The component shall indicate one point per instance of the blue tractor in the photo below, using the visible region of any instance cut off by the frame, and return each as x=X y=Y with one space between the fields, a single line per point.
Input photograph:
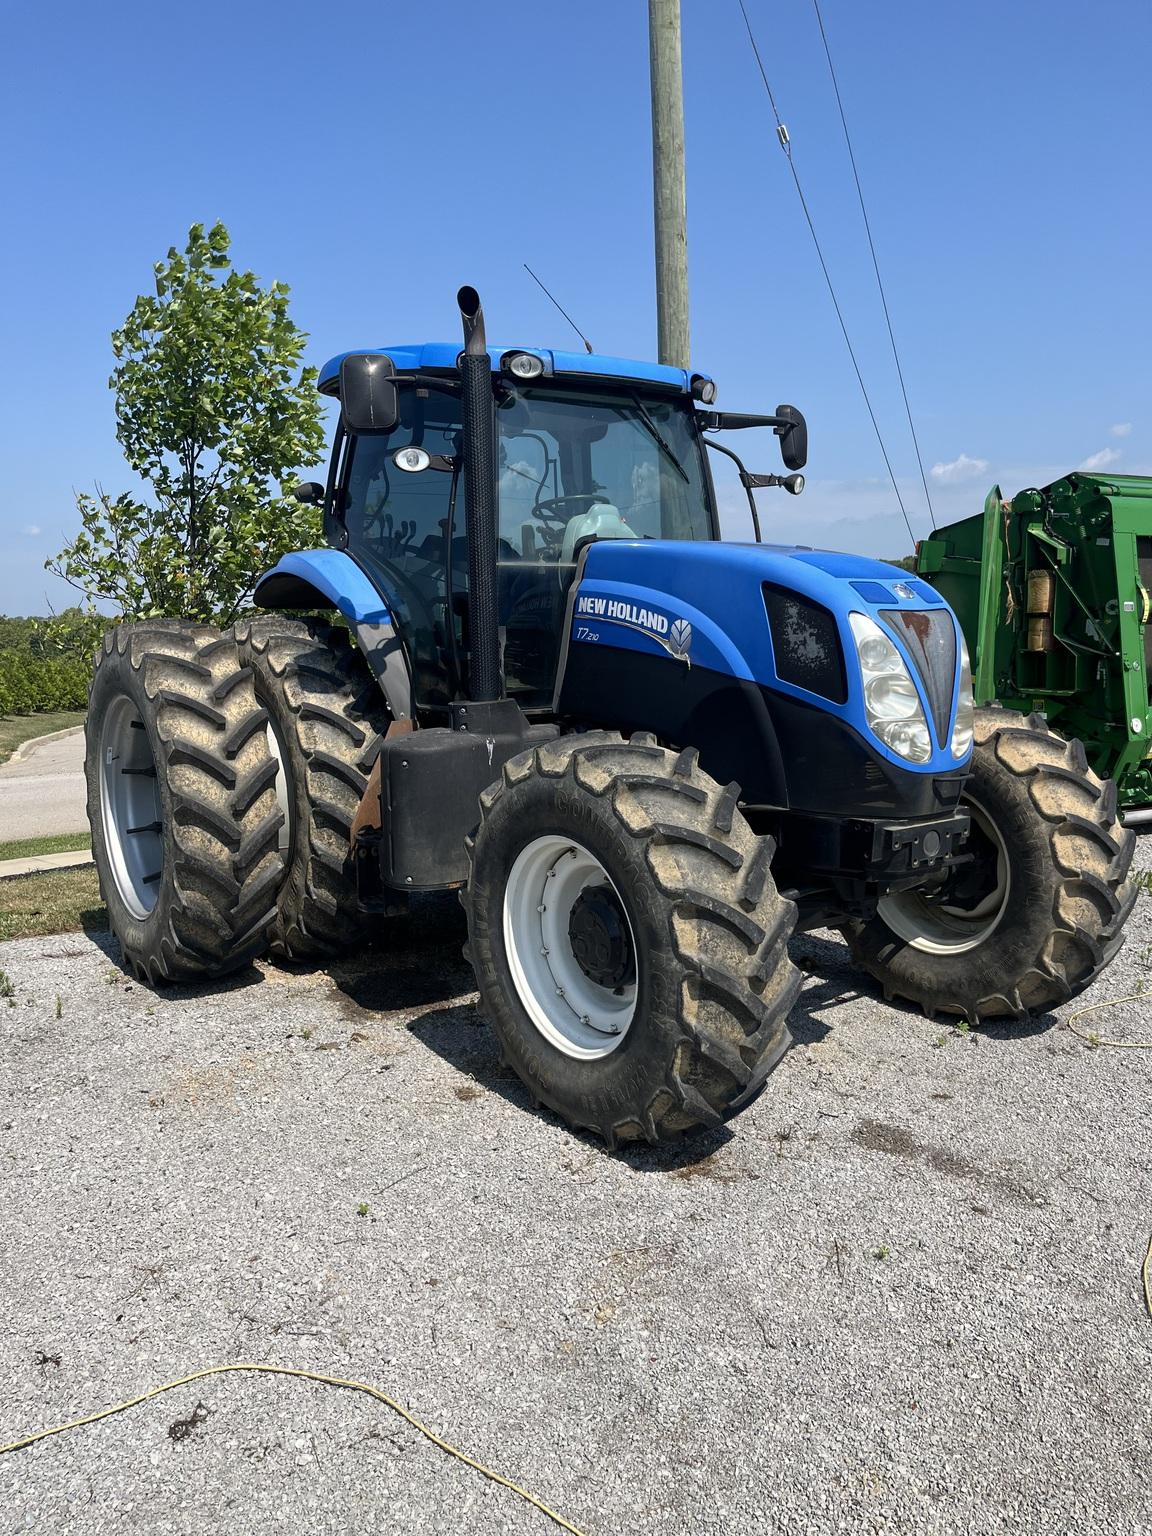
x=643 y=756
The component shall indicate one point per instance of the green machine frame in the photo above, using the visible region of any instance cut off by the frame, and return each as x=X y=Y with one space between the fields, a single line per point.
x=1053 y=590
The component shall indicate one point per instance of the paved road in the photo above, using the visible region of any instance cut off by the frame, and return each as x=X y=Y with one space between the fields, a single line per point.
x=43 y=793
x=901 y=1295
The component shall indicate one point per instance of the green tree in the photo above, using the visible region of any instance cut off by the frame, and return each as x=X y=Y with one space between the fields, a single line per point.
x=213 y=412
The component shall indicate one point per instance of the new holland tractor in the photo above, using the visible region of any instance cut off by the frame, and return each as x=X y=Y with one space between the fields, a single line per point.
x=643 y=756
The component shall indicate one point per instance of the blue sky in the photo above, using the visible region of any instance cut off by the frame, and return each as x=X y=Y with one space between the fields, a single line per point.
x=376 y=156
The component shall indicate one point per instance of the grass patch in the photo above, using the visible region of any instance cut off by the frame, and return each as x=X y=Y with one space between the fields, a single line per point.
x=17 y=729
x=29 y=847
x=65 y=901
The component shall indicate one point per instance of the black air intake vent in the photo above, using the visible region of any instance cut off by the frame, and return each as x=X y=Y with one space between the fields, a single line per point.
x=930 y=639
x=806 y=644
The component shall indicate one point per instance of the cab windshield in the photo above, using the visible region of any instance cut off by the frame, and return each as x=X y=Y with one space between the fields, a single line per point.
x=615 y=466
x=573 y=466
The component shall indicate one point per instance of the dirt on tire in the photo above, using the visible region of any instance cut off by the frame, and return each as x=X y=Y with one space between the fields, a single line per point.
x=714 y=981
x=1068 y=893
x=215 y=891
x=329 y=716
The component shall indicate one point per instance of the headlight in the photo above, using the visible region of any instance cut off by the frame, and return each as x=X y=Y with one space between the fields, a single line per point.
x=892 y=705
x=965 y=727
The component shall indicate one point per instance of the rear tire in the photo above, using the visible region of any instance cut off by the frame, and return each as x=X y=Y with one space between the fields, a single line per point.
x=181 y=801
x=1052 y=916
x=649 y=855
x=326 y=719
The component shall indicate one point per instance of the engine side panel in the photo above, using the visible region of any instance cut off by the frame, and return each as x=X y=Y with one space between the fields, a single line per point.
x=676 y=640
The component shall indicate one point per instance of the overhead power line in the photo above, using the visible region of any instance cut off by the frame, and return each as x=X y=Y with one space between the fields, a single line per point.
x=786 y=146
x=875 y=261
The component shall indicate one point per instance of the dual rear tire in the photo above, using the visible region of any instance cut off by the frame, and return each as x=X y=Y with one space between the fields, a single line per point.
x=223 y=774
x=181 y=801
x=626 y=934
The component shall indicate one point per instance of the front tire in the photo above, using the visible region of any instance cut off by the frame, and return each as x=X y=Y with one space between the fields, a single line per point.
x=661 y=1003
x=1040 y=913
x=181 y=801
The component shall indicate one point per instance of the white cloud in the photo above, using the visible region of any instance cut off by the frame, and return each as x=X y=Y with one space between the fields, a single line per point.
x=1121 y=429
x=31 y=529
x=962 y=468
x=1101 y=460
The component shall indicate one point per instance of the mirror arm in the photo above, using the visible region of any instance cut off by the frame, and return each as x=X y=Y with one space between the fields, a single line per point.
x=429 y=381
x=745 y=481
x=729 y=421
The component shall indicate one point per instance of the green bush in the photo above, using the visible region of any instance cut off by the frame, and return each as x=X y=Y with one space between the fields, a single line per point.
x=46 y=663
x=32 y=684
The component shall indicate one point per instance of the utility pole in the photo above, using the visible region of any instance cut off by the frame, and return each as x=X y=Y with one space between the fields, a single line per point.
x=669 y=202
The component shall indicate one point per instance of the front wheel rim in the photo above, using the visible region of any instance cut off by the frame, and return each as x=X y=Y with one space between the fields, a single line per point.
x=935 y=928
x=574 y=1013
x=130 y=807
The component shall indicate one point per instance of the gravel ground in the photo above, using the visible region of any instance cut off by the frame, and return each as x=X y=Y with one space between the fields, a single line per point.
x=902 y=1294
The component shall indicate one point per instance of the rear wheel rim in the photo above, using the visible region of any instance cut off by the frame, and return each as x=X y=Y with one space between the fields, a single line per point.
x=283 y=787
x=130 y=807
x=936 y=928
x=574 y=1013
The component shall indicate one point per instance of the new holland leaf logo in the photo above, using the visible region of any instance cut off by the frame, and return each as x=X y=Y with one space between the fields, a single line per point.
x=679 y=641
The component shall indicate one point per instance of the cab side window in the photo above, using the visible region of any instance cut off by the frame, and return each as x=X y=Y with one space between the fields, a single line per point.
x=398 y=524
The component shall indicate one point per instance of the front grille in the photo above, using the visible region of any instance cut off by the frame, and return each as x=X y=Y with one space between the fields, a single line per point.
x=930 y=639
x=806 y=644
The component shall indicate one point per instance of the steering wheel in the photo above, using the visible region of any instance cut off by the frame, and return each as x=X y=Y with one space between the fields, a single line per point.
x=548 y=507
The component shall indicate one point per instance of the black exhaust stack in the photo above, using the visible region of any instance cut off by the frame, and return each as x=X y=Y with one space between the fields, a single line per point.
x=431 y=779
x=485 y=681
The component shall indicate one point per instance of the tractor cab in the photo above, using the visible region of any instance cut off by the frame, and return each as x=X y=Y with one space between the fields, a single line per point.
x=587 y=448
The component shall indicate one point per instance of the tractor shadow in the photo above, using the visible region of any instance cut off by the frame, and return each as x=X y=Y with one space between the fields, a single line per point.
x=842 y=982
x=418 y=967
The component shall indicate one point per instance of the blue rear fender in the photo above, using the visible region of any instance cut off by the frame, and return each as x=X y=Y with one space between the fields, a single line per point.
x=323 y=578
x=329 y=578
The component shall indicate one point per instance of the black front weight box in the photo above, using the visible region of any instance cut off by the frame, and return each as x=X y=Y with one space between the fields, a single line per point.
x=430 y=787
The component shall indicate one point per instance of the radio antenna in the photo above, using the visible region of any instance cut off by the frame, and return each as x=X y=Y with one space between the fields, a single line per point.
x=560 y=307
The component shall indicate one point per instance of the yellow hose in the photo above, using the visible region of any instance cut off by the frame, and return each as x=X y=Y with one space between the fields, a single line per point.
x=328 y=1381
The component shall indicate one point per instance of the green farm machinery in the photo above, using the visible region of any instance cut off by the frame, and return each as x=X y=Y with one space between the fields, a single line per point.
x=1053 y=591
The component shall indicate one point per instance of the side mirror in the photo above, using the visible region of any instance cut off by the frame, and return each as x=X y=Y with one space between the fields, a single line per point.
x=368 y=398
x=310 y=492
x=793 y=435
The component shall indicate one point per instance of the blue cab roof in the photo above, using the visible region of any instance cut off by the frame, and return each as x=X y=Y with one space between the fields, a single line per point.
x=443 y=354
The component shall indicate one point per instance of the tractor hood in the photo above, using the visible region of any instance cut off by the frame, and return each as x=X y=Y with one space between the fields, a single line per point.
x=718 y=589
x=776 y=619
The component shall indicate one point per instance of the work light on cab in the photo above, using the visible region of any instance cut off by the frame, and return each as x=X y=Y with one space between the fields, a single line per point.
x=524 y=365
